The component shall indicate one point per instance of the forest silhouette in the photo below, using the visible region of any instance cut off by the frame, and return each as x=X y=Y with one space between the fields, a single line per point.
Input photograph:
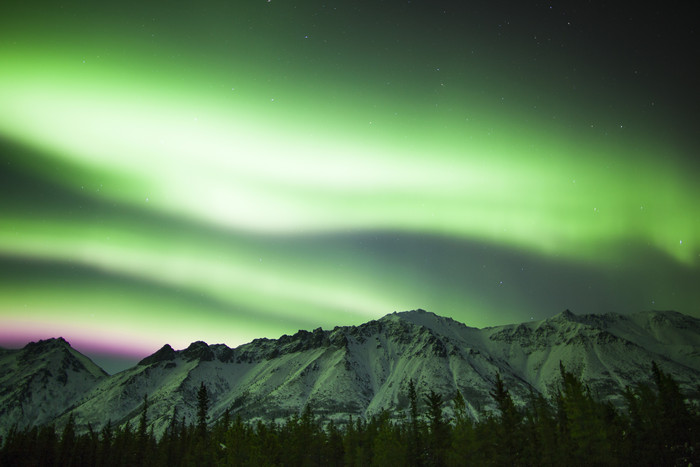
x=657 y=426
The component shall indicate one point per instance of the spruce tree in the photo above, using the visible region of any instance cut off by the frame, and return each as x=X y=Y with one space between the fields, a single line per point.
x=334 y=451
x=143 y=421
x=67 y=445
x=414 y=445
x=47 y=445
x=674 y=424
x=460 y=408
x=202 y=410
x=508 y=427
x=462 y=438
x=585 y=434
x=438 y=437
x=202 y=452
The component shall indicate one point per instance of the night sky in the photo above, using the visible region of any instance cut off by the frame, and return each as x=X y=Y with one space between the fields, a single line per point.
x=221 y=171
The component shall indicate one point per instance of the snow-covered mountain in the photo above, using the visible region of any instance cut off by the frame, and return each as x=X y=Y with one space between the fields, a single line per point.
x=43 y=380
x=356 y=370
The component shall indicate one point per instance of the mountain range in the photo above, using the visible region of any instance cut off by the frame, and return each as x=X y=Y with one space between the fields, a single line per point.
x=351 y=370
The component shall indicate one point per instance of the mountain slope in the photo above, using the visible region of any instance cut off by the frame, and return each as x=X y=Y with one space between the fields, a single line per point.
x=361 y=370
x=42 y=380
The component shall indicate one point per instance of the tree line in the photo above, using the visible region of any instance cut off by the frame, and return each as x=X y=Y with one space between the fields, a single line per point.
x=656 y=427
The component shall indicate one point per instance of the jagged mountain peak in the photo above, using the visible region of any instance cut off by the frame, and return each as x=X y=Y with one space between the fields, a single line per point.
x=46 y=344
x=49 y=350
x=441 y=326
x=165 y=353
x=198 y=350
x=423 y=318
x=418 y=315
x=565 y=316
x=42 y=379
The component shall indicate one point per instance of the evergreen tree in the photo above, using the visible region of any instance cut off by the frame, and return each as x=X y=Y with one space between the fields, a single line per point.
x=47 y=444
x=460 y=408
x=462 y=438
x=584 y=435
x=674 y=417
x=104 y=449
x=66 y=450
x=661 y=429
x=202 y=452
x=202 y=410
x=508 y=435
x=350 y=442
x=125 y=446
x=142 y=438
x=13 y=450
x=143 y=421
x=266 y=448
x=387 y=446
x=414 y=448
x=237 y=442
x=438 y=435
x=334 y=451
x=540 y=432
x=170 y=442
x=303 y=439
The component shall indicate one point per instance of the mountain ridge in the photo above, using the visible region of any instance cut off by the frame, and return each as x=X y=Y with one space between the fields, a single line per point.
x=351 y=370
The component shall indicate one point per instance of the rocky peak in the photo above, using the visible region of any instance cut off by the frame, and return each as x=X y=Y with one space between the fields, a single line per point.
x=43 y=348
x=198 y=351
x=566 y=315
x=46 y=344
x=166 y=353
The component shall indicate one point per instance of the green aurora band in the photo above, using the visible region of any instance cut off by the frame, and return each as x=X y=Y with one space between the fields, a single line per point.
x=207 y=202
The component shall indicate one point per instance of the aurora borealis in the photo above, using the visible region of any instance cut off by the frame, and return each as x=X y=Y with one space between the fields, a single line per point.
x=224 y=171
